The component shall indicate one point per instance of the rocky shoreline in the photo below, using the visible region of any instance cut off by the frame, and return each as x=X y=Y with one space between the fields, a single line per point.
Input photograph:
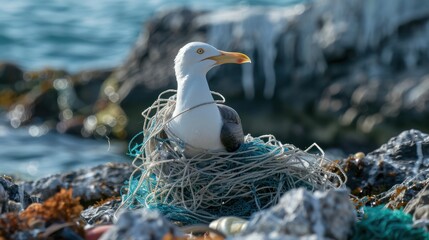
x=394 y=176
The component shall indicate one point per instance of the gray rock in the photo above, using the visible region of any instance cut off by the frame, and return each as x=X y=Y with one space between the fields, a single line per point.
x=419 y=206
x=4 y=198
x=81 y=94
x=275 y=236
x=13 y=198
x=141 y=224
x=10 y=74
x=403 y=159
x=400 y=195
x=90 y=185
x=86 y=83
x=409 y=152
x=301 y=214
x=24 y=235
x=103 y=214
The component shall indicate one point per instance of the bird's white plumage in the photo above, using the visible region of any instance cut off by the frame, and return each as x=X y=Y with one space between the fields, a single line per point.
x=199 y=127
x=197 y=120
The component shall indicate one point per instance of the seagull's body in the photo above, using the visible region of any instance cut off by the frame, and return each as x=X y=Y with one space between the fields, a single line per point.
x=197 y=120
x=199 y=126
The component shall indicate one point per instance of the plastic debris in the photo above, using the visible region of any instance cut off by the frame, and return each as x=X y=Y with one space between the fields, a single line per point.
x=210 y=185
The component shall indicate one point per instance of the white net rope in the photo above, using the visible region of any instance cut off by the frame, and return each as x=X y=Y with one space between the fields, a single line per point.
x=214 y=184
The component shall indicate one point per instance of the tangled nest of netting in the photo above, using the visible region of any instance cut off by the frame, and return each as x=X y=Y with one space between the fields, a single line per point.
x=214 y=184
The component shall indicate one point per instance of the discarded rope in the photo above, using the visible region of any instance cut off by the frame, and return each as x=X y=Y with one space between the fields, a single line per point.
x=382 y=223
x=215 y=184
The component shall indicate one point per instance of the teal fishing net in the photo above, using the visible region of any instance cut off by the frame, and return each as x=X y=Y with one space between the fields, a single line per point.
x=385 y=224
x=210 y=185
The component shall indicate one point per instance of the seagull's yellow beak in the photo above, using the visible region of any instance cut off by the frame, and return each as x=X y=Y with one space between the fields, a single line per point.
x=230 y=57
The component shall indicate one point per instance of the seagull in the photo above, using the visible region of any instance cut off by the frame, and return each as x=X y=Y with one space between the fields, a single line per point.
x=198 y=121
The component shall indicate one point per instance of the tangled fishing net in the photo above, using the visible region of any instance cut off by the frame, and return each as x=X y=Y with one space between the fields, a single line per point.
x=209 y=185
x=383 y=223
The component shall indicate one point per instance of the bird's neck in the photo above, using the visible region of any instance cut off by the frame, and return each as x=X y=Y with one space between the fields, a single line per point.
x=192 y=91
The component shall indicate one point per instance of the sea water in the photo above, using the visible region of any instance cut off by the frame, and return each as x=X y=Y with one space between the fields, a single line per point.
x=34 y=151
x=77 y=35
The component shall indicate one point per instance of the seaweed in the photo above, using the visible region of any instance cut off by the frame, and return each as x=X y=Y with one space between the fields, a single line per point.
x=58 y=212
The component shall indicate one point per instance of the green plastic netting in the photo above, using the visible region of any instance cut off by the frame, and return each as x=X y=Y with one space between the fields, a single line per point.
x=385 y=224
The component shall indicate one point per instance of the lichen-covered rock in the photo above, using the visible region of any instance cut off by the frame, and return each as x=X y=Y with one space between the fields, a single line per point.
x=419 y=206
x=404 y=157
x=93 y=184
x=101 y=214
x=408 y=151
x=399 y=196
x=61 y=99
x=10 y=74
x=141 y=224
x=301 y=214
x=13 y=198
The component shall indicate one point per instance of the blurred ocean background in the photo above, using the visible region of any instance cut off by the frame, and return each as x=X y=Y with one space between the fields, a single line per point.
x=74 y=36
x=33 y=151
x=77 y=35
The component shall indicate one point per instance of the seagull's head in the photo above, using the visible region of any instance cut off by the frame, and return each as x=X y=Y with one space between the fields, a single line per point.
x=199 y=58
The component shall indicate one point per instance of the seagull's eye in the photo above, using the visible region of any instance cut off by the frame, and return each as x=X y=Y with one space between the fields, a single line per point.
x=200 y=51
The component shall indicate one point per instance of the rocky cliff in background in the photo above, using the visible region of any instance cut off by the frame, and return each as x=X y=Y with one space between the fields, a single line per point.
x=349 y=74
x=332 y=71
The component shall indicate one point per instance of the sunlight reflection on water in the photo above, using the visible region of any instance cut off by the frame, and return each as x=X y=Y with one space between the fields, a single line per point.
x=33 y=152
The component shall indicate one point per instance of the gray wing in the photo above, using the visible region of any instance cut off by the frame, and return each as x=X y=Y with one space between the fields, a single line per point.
x=231 y=134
